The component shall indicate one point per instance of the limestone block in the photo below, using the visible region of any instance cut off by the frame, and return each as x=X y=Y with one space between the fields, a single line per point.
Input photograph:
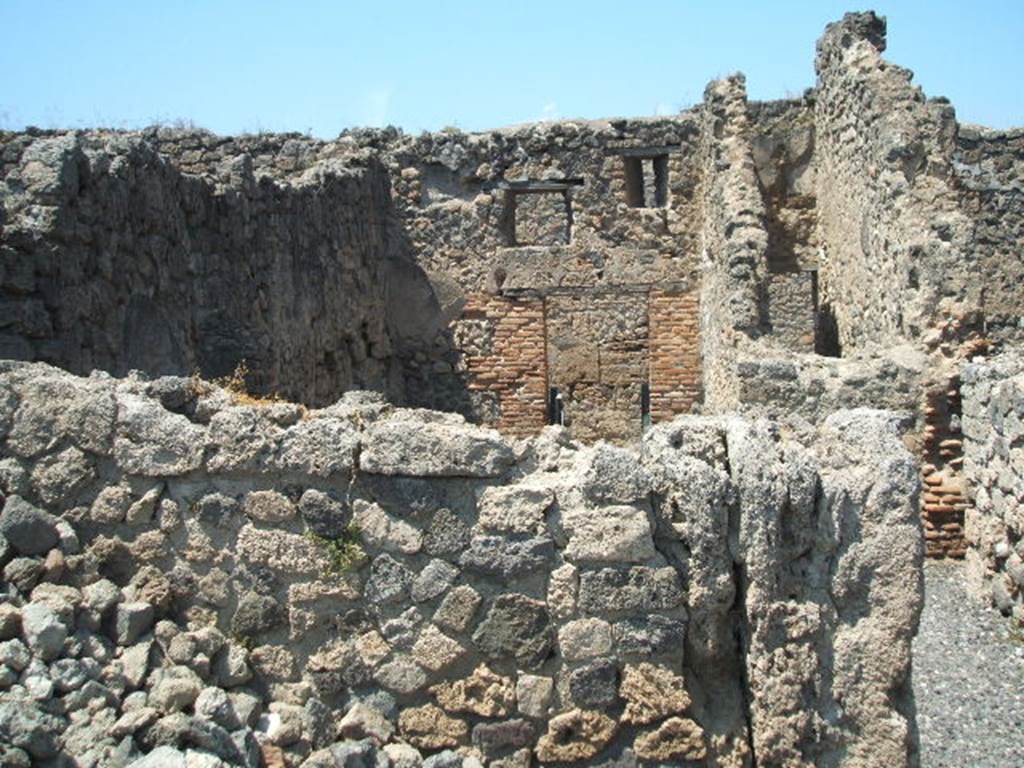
x=419 y=444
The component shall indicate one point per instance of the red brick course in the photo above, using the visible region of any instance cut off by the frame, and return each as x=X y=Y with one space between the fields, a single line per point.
x=674 y=348
x=943 y=497
x=516 y=367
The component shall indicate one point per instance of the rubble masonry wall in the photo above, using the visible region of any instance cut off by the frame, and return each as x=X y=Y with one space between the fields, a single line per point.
x=993 y=430
x=368 y=578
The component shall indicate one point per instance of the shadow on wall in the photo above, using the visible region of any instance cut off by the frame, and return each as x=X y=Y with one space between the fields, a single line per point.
x=118 y=254
x=420 y=313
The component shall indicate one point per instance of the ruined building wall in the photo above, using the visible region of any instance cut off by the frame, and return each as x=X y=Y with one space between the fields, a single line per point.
x=735 y=240
x=639 y=268
x=329 y=286
x=993 y=429
x=896 y=249
x=990 y=176
x=782 y=145
x=469 y=222
x=587 y=218
x=313 y=578
x=113 y=257
x=761 y=325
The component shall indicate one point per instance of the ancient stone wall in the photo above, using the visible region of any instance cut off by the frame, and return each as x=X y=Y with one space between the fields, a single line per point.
x=459 y=195
x=896 y=246
x=790 y=310
x=586 y=216
x=378 y=584
x=993 y=430
x=801 y=391
x=782 y=145
x=544 y=272
x=116 y=257
x=580 y=211
x=735 y=240
x=990 y=174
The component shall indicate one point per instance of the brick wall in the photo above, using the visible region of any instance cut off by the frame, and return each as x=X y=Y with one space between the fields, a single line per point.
x=508 y=360
x=674 y=341
x=512 y=365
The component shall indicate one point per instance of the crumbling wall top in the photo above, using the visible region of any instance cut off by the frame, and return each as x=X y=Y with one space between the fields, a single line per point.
x=852 y=28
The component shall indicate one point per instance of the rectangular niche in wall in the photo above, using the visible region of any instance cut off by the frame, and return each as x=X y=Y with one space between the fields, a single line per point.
x=541 y=218
x=646 y=172
x=538 y=212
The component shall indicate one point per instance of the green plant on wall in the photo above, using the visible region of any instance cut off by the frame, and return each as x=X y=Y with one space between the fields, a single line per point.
x=344 y=553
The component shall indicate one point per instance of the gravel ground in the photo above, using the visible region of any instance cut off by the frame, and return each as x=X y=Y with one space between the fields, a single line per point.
x=968 y=678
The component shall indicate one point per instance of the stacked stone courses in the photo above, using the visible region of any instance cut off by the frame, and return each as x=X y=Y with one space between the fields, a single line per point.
x=993 y=406
x=266 y=582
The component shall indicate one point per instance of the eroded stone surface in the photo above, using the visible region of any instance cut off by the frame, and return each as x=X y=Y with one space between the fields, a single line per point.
x=431 y=445
x=482 y=693
x=612 y=533
x=629 y=590
x=434 y=650
x=514 y=509
x=678 y=738
x=574 y=736
x=651 y=693
x=515 y=626
x=428 y=727
x=585 y=638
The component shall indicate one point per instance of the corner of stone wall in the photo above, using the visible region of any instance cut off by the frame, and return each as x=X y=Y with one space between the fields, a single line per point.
x=889 y=218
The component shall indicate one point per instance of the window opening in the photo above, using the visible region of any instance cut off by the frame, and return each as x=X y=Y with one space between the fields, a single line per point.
x=646 y=180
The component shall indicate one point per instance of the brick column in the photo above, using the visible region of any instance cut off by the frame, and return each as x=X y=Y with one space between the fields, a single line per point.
x=674 y=342
x=515 y=365
x=943 y=498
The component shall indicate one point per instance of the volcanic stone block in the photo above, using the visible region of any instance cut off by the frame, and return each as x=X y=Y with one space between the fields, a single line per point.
x=27 y=528
x=502 y=558
x=595 y=685
x=515 y=626
x=632 y=590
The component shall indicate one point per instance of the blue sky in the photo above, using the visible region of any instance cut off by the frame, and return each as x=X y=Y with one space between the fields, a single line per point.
x=234 y=65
